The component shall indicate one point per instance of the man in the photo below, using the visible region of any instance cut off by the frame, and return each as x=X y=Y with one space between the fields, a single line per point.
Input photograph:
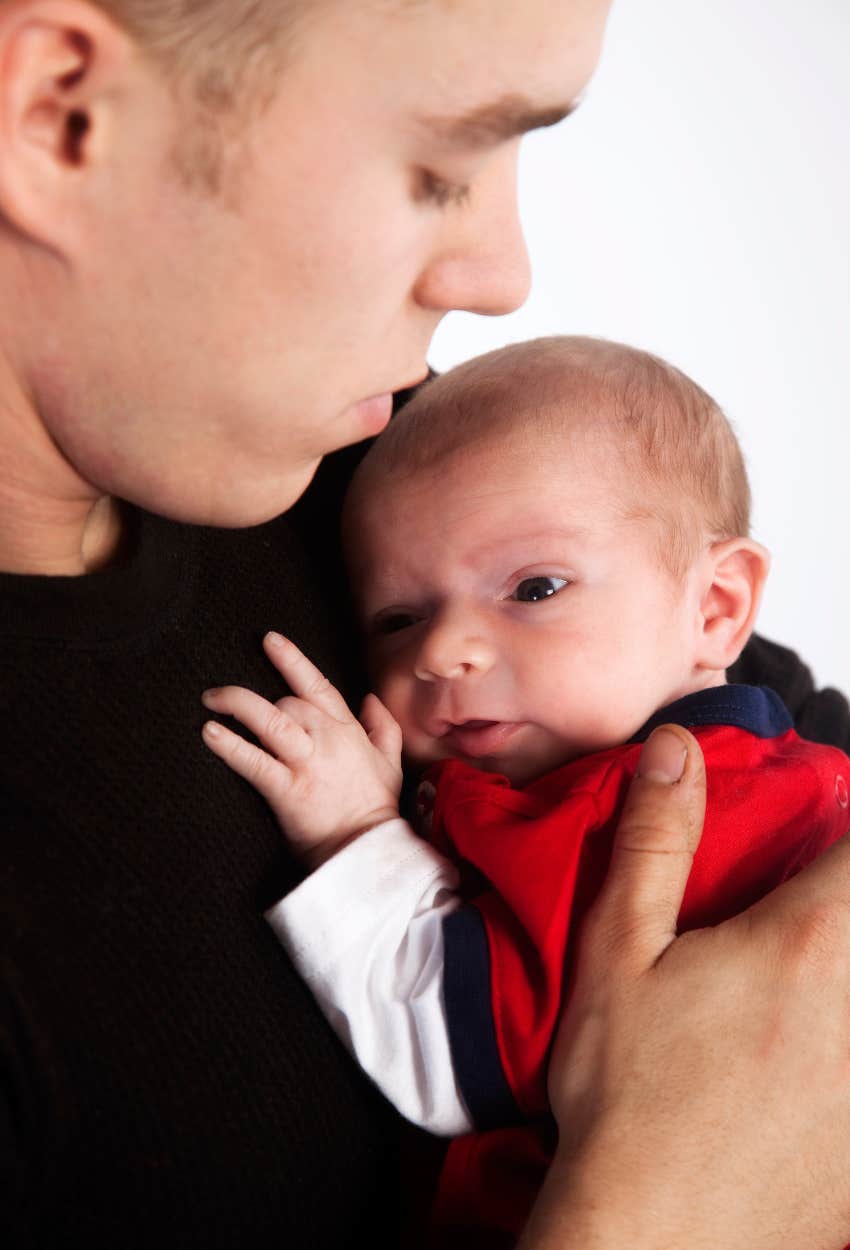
x=227 y=233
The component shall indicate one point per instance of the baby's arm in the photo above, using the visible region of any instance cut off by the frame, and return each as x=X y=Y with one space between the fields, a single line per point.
x=365 y=930
x=366 y=934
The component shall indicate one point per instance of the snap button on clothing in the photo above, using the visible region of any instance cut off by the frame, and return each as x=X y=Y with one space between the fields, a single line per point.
x=425 y=795
x=841 y=795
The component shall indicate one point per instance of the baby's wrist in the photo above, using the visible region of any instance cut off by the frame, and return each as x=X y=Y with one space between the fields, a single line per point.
x=313 y=857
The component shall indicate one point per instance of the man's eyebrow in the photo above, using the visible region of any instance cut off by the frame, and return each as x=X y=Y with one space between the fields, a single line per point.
x=493 y=123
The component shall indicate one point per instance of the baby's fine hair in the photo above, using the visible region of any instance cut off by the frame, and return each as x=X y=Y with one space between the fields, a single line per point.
x=682 y=459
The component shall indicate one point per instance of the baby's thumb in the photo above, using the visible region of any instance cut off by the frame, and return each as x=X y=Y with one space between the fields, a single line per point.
x=660 y=828
x=381 y=728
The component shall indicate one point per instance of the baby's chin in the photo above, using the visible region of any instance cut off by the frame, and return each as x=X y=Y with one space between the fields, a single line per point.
x=529 y=753
x=518 y=770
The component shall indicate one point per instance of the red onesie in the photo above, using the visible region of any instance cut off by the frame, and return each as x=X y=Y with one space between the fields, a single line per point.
x=532 y=861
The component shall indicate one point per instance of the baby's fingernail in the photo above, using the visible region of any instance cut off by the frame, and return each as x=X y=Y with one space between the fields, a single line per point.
x=212 y=693
x=211 y=729
x=274 y=640
x=663 y=757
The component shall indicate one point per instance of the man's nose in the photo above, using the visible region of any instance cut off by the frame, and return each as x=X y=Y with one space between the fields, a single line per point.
x=454 y=647
x=481 y=262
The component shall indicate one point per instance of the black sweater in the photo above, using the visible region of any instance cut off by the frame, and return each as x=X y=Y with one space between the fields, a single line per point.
x=166 y=1079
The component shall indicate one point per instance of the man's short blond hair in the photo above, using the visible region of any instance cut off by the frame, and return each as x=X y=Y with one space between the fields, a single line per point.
x=224 y=49
x=223 y=60
x=679 y=454
x=216 y=45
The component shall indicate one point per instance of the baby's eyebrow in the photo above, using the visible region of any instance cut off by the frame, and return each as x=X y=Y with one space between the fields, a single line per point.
x=503 y=119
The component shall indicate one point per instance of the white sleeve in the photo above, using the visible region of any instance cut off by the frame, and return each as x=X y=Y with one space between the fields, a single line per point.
x=365 y=932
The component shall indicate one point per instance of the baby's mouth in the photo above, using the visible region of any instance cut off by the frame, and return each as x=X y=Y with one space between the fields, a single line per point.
x=478 y=738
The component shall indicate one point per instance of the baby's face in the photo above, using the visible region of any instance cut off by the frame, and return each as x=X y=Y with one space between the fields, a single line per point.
x=514 y=617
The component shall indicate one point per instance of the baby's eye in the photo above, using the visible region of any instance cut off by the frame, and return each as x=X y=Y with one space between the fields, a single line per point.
x=531 y=589
x=391 y=622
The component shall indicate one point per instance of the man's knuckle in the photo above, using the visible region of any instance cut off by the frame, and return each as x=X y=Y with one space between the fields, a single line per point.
x=645 y=837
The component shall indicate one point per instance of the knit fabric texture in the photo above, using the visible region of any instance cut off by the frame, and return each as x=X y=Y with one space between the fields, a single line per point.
x=819 y=715
x=168 y=1081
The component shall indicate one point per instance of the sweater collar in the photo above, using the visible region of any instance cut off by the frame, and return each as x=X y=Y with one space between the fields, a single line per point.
x=117 y=602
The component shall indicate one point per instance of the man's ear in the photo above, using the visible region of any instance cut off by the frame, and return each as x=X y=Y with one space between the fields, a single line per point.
x=60 y=61
x=736 y=571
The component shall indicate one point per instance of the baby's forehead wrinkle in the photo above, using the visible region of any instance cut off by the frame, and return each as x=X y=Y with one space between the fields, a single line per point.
x=463 y=501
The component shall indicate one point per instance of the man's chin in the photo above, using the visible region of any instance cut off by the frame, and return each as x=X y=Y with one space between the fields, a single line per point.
x=239 y=508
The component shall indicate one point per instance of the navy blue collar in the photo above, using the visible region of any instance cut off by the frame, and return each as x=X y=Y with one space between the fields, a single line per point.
x=758 y=709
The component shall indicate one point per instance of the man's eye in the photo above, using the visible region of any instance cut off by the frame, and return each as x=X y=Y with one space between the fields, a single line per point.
x=439 y=191
x=531 y=589
x=392 y=623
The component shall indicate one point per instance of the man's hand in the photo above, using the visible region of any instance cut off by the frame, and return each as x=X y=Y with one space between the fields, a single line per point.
x=701 y=1083
x=326 y=776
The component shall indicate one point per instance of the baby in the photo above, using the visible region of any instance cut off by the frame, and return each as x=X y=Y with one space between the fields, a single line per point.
x=550 y=554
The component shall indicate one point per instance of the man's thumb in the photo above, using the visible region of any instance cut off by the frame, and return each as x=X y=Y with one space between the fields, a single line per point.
x=654 y=847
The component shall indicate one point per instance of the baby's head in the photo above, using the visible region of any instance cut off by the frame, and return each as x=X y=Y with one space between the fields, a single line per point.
x=549 y=543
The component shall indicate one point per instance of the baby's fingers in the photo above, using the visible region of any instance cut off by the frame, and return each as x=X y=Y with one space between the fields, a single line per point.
x=265 y=773
x=382 y=728
x=304 y=678
x=279 y=733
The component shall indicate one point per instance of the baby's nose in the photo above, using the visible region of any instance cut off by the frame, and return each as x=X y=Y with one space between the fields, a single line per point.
x=451 y=651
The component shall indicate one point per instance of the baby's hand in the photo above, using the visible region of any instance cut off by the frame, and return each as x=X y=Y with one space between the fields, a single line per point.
x=326 y=776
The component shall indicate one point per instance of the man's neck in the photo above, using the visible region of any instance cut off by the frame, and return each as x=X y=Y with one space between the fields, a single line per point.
x=60 y=541
x=52 y=522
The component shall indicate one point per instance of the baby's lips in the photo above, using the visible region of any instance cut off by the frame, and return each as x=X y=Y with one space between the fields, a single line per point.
x=478 y=738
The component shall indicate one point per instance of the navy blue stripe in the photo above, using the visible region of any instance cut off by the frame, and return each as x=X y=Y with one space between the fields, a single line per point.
x=757 y=709
x=472 y=1031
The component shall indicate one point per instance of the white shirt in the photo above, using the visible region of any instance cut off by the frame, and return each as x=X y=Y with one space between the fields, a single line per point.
x=365 y=933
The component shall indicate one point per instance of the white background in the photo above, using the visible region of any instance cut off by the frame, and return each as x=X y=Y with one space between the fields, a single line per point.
x=698 y=205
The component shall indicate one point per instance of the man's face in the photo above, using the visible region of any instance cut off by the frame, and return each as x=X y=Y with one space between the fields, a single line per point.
x=219 y=345
x=516 y=615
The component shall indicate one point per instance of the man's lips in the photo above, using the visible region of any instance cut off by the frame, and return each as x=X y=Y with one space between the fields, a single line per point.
x=477 y=738
x=373 y=414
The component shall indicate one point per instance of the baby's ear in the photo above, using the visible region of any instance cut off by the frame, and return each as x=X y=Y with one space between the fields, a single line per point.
x=736 y=572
